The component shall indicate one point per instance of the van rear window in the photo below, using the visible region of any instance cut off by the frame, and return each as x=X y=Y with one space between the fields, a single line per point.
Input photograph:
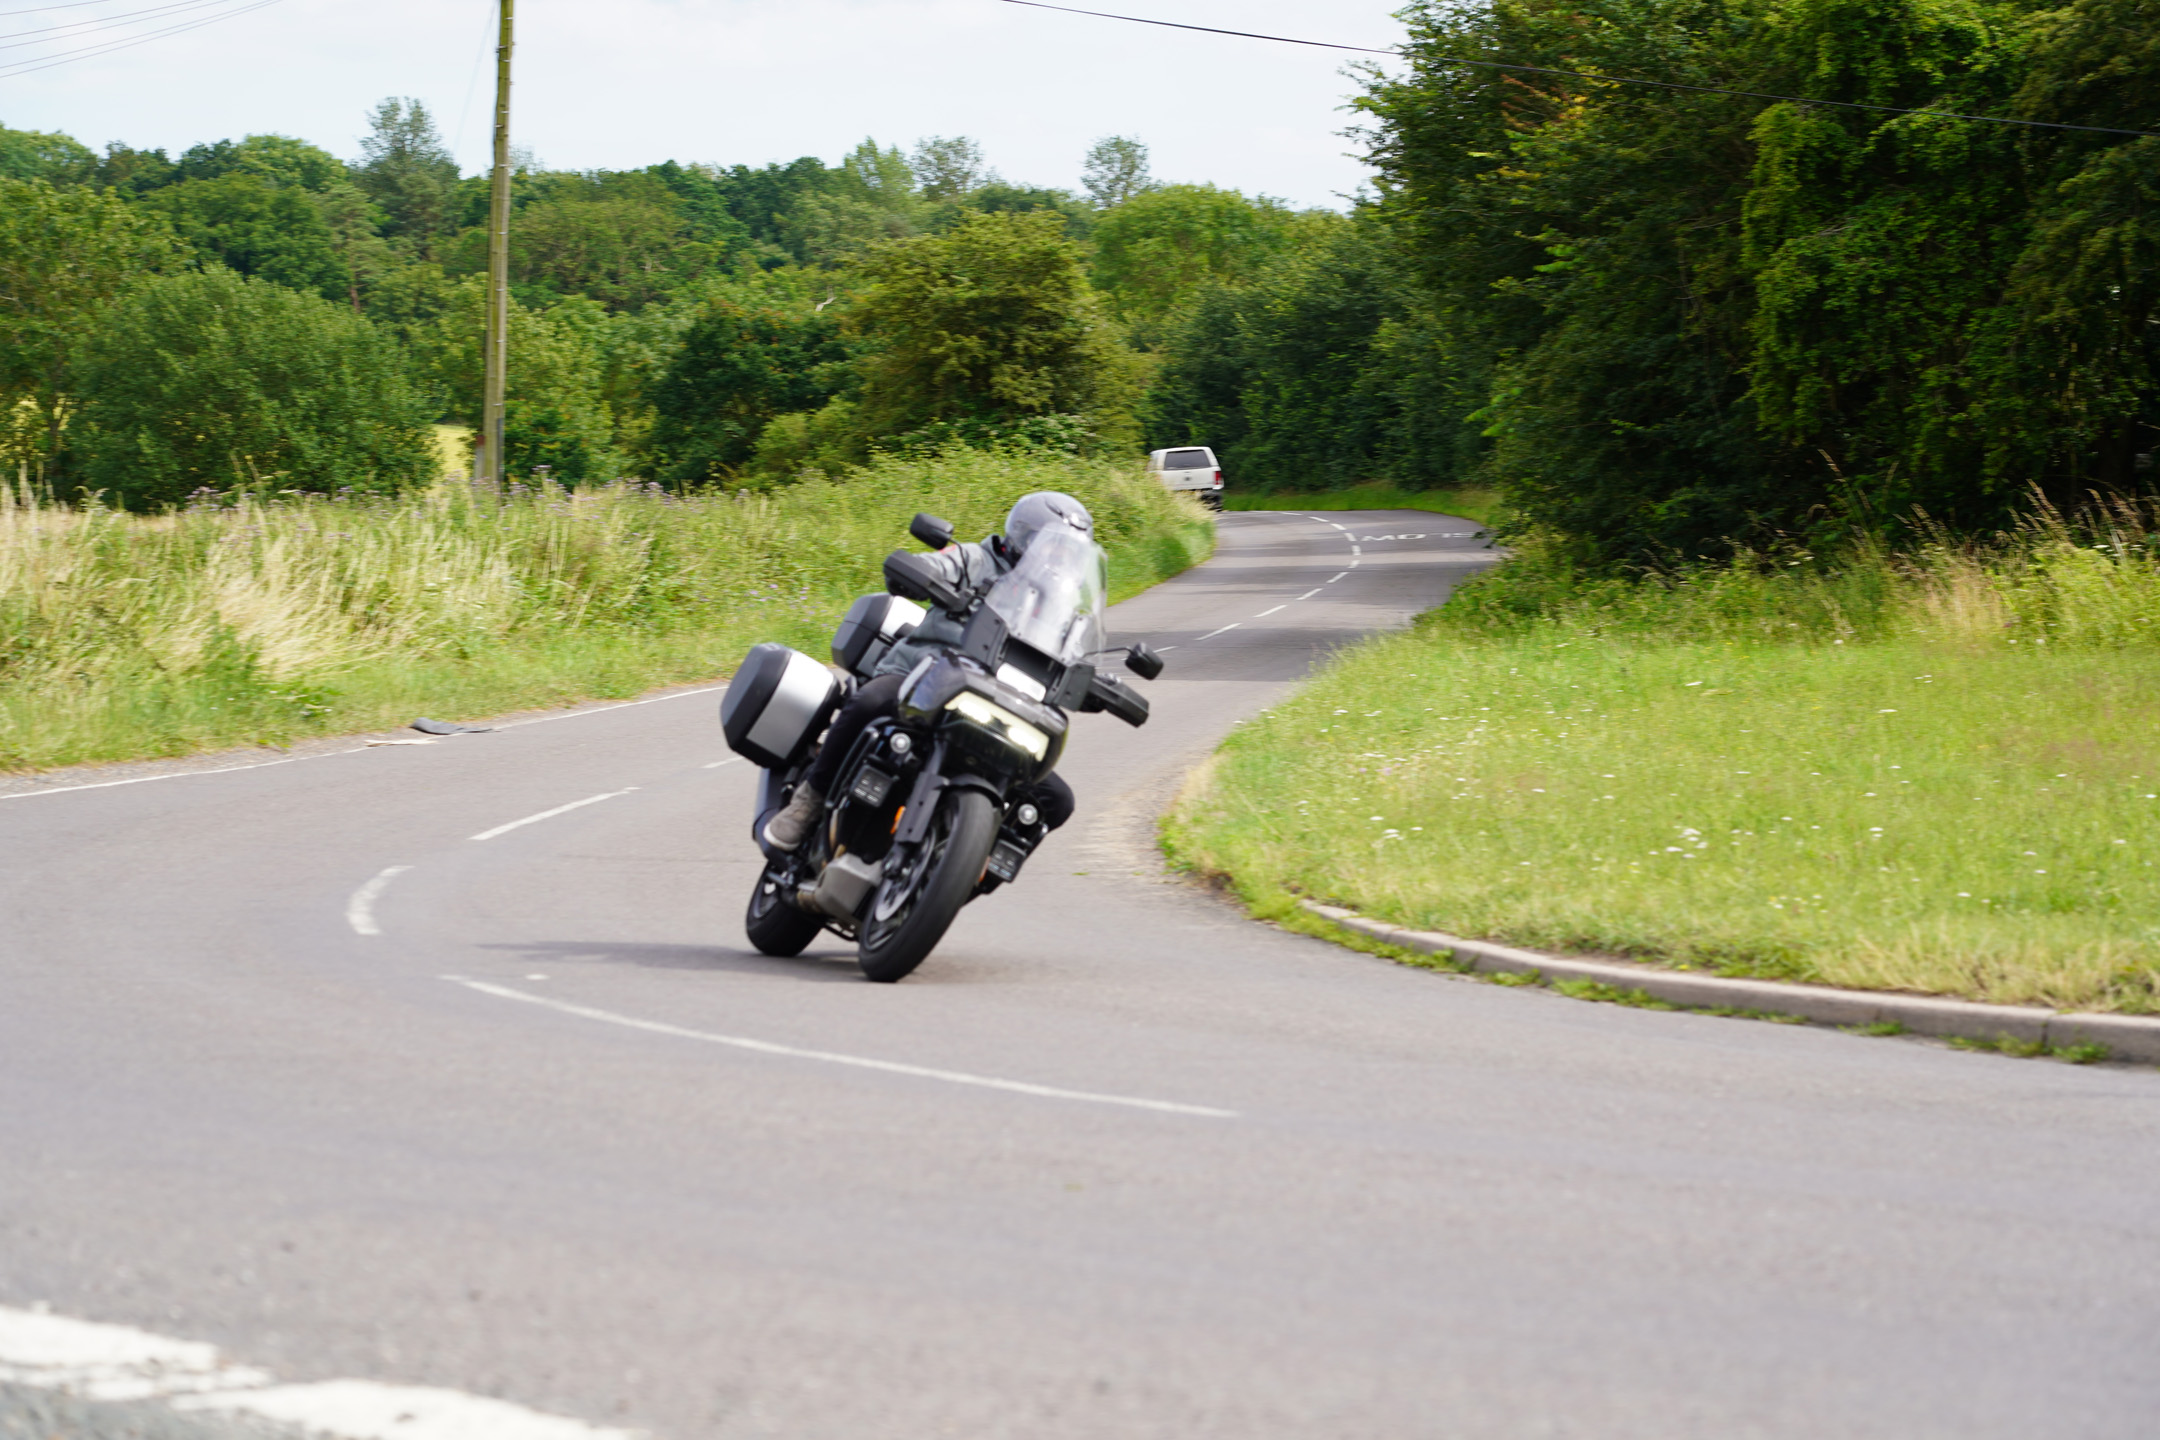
x=1187 y=460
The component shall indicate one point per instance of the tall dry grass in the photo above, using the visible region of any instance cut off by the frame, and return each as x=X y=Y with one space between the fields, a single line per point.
x=250 y=619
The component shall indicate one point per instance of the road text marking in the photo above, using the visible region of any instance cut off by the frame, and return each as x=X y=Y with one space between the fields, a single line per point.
x=360 y=910
x=858 y=1062
x=116 y=1363
x=551 y=814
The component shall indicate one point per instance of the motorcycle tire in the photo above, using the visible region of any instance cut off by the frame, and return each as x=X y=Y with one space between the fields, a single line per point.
x=904 y=927
x=773 y=923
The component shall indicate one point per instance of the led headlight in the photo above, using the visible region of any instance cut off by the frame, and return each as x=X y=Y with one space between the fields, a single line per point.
x=1000 y=722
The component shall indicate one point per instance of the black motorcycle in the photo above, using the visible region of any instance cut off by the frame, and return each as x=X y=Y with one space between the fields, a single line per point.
x=930 y=808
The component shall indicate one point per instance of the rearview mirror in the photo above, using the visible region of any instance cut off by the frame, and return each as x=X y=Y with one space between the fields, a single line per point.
x=1142 y=660
x=913 y=577
x=931 y=531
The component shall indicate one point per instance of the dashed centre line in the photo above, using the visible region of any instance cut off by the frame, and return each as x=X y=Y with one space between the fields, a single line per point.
x=551 y=814
x=360 y=910
x=1265 y=613
x=1333 y=578
x=1213 y=633
x=1310 y=593
x=857 y=1062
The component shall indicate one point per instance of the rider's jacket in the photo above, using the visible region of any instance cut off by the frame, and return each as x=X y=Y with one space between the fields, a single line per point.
x=973 y=568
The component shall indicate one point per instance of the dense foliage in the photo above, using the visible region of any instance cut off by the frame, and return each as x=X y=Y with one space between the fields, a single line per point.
x=1698 y=317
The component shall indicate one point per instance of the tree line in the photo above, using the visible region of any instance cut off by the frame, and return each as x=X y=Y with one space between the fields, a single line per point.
x=1663 y=322
x=259 y=312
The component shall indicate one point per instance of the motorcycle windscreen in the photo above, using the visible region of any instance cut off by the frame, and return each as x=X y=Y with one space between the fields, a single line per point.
x=1055 y=597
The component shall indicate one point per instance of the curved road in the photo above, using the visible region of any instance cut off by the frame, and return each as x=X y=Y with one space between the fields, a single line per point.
x=331 y=1064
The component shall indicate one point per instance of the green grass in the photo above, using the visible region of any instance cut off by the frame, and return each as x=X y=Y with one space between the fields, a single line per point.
x=1481 y=506
x=1937 y=774
x=252 y=622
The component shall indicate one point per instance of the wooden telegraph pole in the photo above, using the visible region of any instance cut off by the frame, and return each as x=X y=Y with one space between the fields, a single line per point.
x=496 y=347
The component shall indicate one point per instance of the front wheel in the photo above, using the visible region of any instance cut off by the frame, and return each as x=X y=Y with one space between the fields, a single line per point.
x=918 y=898
x=773 y=923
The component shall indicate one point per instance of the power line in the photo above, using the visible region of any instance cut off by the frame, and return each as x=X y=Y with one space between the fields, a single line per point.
x=98 y=24
x=1598 y=79
x=70 y=57
x=41 y=9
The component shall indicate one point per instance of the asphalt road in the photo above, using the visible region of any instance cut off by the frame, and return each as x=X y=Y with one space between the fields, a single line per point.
x=1115 y=1163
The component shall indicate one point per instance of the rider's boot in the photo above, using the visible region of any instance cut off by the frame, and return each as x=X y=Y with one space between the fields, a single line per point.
x=791 y=826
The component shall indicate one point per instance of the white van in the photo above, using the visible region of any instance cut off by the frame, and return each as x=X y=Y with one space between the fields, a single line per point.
x=1191 y=468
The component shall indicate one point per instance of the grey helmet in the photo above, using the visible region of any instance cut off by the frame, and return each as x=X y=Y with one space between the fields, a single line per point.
x=1031 y=514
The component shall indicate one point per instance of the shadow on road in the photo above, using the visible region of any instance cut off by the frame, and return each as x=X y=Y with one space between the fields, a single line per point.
x=825 y=967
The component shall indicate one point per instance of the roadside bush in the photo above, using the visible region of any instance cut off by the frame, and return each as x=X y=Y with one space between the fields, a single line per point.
x=212 y=380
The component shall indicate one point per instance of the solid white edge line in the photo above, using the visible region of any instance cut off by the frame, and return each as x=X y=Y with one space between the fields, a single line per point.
x=1213 y=633
x=1310 y=593
x=858 y=1062
x=355 y=750
x=551 y=814
x=360 y=910
x=1265 y=613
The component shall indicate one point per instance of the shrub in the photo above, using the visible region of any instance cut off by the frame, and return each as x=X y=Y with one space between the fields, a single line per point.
x=213 y=380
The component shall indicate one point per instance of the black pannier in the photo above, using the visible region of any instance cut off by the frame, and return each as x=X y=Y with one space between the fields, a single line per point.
x=778 y=702
x=873 y=623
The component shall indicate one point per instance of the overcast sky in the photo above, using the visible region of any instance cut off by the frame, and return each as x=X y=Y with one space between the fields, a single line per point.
x=623 y=83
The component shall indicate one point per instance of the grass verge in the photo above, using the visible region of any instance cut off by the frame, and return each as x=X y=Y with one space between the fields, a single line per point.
x=1481 y=506
x=253 y=622
x=1936 y=774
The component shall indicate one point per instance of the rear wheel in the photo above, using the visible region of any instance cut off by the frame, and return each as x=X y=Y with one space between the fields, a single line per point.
x=773 y=923
x=917 y=900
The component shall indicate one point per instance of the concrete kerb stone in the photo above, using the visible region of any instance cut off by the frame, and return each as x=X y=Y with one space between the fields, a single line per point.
x=2127 y=1037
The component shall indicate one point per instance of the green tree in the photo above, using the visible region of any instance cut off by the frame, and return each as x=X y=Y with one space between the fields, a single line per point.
x=990 y=322
x=53 y=157
x=948 y=166
x=212 y=379
x=251 y=225
x=556 y=411
x=741 y=363
x=621 y=238
x=1159 y=249
x=63 y=253
x=279 y=159
x=407 y=170
x=1116 y=169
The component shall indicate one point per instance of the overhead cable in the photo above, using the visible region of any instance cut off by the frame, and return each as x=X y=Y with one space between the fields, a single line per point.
x=102 y=22
x=88 y=52
x=1594 y=78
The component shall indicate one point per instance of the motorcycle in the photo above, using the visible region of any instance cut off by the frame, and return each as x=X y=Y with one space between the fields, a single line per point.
x=930 y=808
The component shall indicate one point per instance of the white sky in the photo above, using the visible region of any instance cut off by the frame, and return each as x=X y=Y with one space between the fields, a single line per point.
x=625 y=83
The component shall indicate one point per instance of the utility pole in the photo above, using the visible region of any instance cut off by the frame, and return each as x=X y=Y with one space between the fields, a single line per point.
x=496 y=347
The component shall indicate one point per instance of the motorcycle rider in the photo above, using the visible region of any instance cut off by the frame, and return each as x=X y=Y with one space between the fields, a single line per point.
x=971 y=568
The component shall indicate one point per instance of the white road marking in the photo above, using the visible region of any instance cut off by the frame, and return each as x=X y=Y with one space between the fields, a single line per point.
x=1357 y=549
x=1333 y=578
x=718 y=763
x=1265 y=613
x=355 y=750
x=364 y=1410
x=551 y=814
x=360 y=910
x=378 y=744
x=1213 y=633
x=858 y=1062
x=1310 y=593
x=118 y=1363
x=1338 y=527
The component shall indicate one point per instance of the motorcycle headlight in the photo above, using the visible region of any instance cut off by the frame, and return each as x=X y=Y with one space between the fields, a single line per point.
x=1000 y=722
